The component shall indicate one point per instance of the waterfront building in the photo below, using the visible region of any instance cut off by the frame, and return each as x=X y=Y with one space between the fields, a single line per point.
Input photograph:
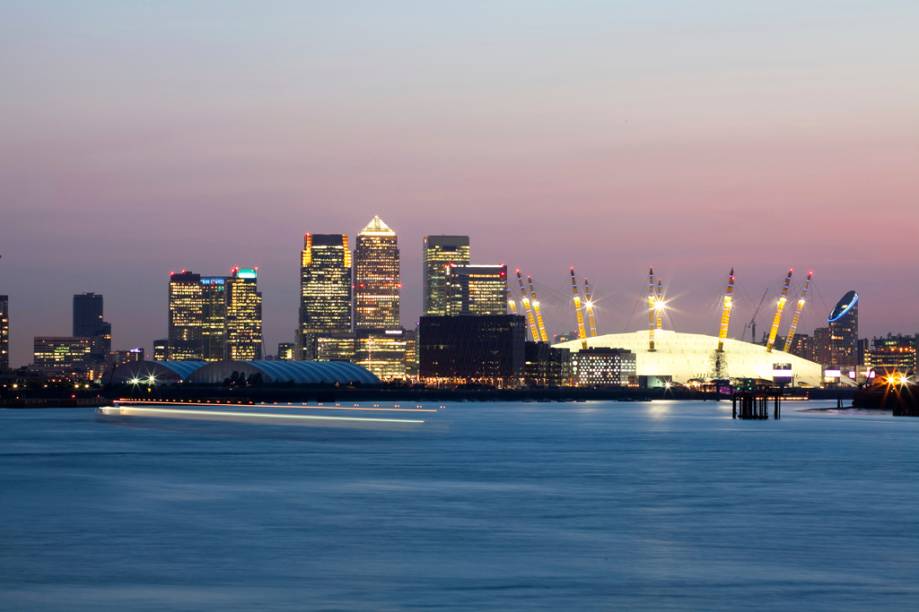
x=325 y=290
x=376 y=277
x=287 y=351
x=186 y=316
x=476 y=289
x=4 y=333
x=893 y=353
x=685 y=356
x=260 y=372
x=88 y=322
x=161 y=349
x=843 y=326
x=65 y=353
x=243 y=327
x=546 y=366
x=213 y=317
x=487 y=349
x=383 y=352
x=438 y=253
x=605 y=367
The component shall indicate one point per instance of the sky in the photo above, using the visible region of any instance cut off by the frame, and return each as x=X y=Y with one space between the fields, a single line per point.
x=142 y=137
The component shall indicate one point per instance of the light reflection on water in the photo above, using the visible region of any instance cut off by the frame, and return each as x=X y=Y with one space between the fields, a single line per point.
x=661 y=505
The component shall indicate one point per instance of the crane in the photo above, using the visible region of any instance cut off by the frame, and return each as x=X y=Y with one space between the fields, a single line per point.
x=576 y=298
x=751 y=324
x=726 y=309
x=779 y=307
x=540 y=325
x=802 y=299
x=589 y=307
x=652 y=307
x=525 y=301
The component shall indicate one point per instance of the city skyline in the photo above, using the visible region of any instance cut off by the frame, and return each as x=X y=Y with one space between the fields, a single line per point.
x=551 y=136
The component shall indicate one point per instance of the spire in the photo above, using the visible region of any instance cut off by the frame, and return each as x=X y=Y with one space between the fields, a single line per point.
x=377 y=227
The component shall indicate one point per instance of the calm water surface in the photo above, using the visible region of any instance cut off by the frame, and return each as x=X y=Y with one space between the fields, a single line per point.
x=540 y=506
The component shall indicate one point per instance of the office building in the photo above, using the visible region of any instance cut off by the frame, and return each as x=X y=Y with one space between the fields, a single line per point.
x=186 y=316
x=439 y=252
x=337 y=347
x=376 y=277
x=243 y=330
x=383 y=351
x=823 y=348
x=64 y=353
x=802 y=345
x=545 y=366
x=486 y=349
x=287 y=351
x=4 y=333
x=605 y=367
x=476 y=290
x=325 y=290
x=843 y=326
x=119 y=358
x=893 y=353
x=214 y=317
x=161 y=349
x=88 y=322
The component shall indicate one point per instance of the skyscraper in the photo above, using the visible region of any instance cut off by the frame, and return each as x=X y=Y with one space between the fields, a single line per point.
x=325 y=290
x=186 y=316
x=243 y=315
x=4 y=333
x=476 y=290
x=439 y=252
x=843 y=324
x=213 y=317
x=376 y=277
x=88 y=322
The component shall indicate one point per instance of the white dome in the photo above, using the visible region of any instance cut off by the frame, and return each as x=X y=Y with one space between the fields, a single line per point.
x=685 y=356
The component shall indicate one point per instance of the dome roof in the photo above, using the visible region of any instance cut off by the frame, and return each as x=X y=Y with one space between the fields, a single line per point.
x=296 y=372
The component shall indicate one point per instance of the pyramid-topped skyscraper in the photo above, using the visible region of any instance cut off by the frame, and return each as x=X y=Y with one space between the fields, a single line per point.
x=377 y=282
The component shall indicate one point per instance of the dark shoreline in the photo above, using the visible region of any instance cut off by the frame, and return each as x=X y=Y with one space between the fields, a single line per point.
x=395 y=394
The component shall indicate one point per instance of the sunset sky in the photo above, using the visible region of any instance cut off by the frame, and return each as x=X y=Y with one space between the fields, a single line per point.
x=142 y=137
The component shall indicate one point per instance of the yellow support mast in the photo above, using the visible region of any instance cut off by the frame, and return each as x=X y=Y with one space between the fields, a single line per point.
x=525 y=301
x=540 y=325
x=652 y=309
x=726 y=309
x=802 y=299
x=589 y=307
x=780 y=306
x=511 y=302
x=659 y=306
x=579 y=314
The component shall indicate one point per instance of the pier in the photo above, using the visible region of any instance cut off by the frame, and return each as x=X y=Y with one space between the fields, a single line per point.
x=754 y=405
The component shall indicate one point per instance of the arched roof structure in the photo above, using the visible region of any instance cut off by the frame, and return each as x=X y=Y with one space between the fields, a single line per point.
x=294 y=372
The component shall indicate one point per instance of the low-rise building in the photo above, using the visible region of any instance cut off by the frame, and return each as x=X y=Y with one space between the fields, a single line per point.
x=605 y=367
x=484 y=349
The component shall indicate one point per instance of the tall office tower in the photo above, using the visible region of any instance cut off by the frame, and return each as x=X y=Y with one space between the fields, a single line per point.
x=843 y=324
x=88 y=322
x=325 y=290
x=213 y=317
x=243 y=315
x=477 y=290
x=4 y=333
x=186 y=316
x=376 y=277
x=438 y=253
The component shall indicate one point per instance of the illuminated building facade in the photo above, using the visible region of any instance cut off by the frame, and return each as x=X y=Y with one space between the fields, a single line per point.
x=384 y=351
x=376 y=277
x=4 y=333
x=325 y=290
x=161 y=349
x=337 y=347
x=438 y=253
x=186 y=316
x=893 y=353
x=213 y=317
x=243 y=316
x=546 y=366
x=67 y=353
x=605 y=367
x=486 y=349
x=476 y=290
x=287 y=351
x=843 y=326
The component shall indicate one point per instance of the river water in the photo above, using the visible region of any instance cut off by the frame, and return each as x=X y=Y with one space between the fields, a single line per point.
x=597 y=505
